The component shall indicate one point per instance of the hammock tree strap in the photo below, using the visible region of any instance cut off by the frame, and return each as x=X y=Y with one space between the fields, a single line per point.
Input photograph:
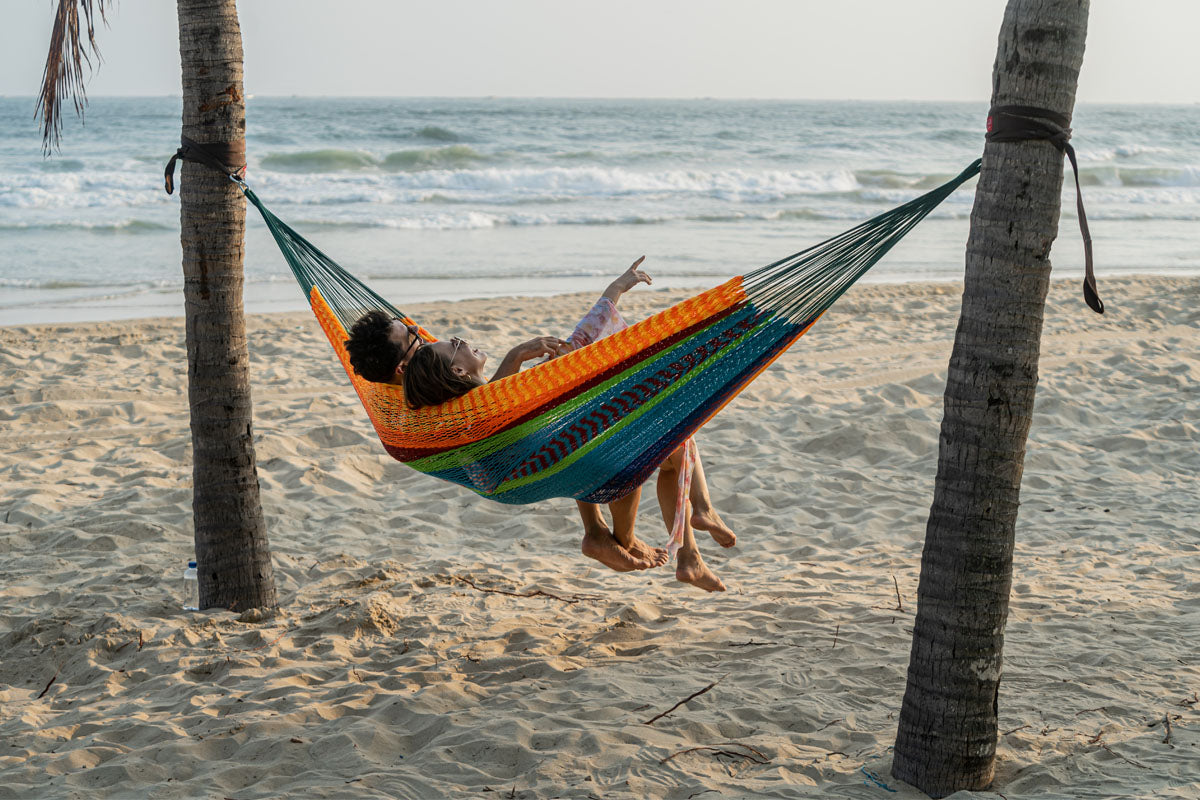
x=226 y=157
x=1023 y=123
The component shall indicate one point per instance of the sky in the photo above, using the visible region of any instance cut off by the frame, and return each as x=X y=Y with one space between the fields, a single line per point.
x=1137 y=50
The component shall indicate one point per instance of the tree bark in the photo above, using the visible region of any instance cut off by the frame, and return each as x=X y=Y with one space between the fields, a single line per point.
x=948 y=722
x=233 y=556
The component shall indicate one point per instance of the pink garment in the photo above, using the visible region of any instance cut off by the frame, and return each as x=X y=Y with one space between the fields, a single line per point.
x=604 y=320
x=691 y=457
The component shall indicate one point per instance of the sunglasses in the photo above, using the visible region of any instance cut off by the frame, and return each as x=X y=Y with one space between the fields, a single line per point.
x=414 y=332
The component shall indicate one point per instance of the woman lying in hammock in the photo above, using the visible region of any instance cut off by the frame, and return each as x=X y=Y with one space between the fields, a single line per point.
x=432 y=373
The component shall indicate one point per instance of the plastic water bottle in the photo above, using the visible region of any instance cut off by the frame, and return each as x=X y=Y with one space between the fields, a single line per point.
x=191 y=588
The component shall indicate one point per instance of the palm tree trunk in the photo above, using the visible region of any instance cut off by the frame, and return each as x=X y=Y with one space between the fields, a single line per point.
x=231 y=541
x=948 y=723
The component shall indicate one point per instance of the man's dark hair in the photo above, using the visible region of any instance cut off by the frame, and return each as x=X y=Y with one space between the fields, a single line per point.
x=429 y=381
x=372 y=353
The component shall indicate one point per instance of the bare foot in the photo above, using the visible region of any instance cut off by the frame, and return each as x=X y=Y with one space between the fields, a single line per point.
x=693 y=570
x=710 y=521
x=600 y=544
x=640 y=549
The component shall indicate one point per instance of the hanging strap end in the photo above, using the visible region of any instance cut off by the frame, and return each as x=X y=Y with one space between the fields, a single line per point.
x=169 y=173
x=1092 y=297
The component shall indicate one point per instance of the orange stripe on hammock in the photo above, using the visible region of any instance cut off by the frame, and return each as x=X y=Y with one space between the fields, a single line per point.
x=495 y=406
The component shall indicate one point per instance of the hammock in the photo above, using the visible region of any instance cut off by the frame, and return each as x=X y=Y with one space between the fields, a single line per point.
x=595 y=423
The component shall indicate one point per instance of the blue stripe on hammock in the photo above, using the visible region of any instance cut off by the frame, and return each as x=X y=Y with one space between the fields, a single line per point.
x=712 y=389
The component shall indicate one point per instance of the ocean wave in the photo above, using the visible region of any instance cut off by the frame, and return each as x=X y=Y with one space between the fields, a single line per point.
x=955 y=135
x=1131 y=150
x=436 y=133
x=522 y=186
x=100 y=282
x=33 y=283
x=489 y=274
x=474 y=220
x=1139 y=177
x=456 y=156
x=328 y=160
x=471 y=219
x=61 y=165
x=576 y=155
x=620 y=159
x=734 y=184
x=131 y=226
x=1121 y=152
x=81 y=189
x=452 y=157
x=439 y=176
x=891 y=179
x=1135 y=214
x=786 y=214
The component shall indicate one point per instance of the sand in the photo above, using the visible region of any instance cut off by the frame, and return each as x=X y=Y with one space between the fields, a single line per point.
x=390 y=671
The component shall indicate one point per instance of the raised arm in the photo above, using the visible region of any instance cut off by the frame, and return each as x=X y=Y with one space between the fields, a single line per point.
x=528 y=351
x=626 y=281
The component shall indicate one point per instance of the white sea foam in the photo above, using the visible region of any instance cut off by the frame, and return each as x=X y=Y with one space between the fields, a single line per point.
x=1128 y=151
x=501 y=186
x=132 y=226
x=80 y=190
x=496 y=185
x=702 y=183
x=558 y=184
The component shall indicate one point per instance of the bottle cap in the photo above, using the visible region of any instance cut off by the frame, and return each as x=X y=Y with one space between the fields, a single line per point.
x=191 y=565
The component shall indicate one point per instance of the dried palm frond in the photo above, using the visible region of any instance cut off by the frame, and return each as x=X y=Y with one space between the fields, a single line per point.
x=63 y=75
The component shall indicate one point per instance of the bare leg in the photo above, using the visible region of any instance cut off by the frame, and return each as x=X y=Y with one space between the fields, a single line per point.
x=600 y=544
x=704 y=516
x=624 y=516
x=691 y=567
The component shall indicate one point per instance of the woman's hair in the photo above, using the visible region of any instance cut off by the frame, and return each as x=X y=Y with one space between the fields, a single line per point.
x=429 y=381
x=373 y=354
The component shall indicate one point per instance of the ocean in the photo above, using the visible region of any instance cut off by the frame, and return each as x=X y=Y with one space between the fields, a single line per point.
x=433 y=199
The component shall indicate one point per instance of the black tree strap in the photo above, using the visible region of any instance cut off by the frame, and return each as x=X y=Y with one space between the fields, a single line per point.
x=1020 y=123
x=218 y=155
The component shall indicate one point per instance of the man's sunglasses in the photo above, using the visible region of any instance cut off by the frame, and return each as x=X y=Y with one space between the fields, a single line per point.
x=415 y=332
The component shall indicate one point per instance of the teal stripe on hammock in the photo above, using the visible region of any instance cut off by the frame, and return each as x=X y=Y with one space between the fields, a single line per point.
x=631 y=419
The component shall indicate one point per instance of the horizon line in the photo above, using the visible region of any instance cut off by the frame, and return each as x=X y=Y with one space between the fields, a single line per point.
x=705 y=98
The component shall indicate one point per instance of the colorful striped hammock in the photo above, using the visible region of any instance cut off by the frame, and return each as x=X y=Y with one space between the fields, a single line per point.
x=595 y=423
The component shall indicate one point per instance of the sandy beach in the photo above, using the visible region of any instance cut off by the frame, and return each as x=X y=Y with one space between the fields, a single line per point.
x=432 y=644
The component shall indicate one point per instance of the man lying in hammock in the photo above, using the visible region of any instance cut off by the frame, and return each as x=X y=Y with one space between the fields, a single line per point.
x=384 y=350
